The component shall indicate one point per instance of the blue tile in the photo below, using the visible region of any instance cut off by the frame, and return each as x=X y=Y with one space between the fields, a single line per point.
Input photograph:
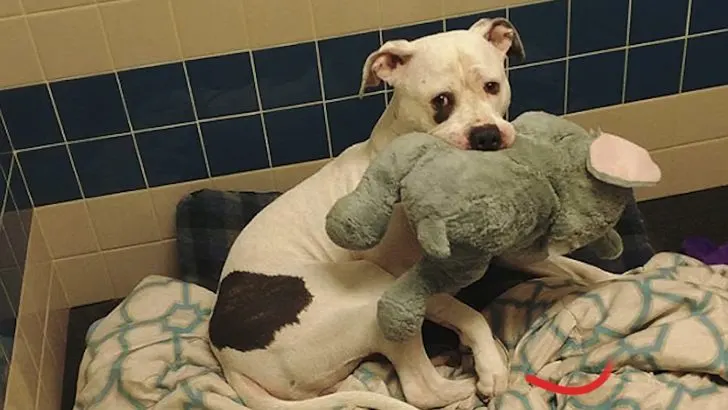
x=90 y=107
x=539 y=88
x=29 y=116
x=223 y=85
x=598 y=25
x=596 y=81
x=464 y=22
x=172 y=155
x=342 y=59
x=654 y=70
x=297 y=135
x=49 y=175
x=18 y=188
x=542 y=28
x=157 y=96
x=107 y=166
x=708 y=15
x=235 y=145
x=412 y=32
x=351 y=121
x=4 y=140
x=657 y=19
x=287 y=75
x=705 y=66
x=6 y=159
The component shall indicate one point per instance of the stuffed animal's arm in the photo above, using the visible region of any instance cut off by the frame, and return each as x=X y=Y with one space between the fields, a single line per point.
x=359 y=220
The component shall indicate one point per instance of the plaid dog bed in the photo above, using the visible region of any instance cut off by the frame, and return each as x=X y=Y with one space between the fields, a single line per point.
x=208 y=221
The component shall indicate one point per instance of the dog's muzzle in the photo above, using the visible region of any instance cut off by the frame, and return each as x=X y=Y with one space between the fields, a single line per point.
x=485 y=138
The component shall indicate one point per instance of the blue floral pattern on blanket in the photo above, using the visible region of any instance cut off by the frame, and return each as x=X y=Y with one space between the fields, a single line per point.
x=664 y=326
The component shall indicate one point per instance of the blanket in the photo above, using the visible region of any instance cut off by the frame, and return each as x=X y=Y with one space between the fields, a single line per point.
x=663 y=326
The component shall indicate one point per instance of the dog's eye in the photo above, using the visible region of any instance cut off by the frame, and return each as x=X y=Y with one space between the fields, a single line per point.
x=492 y=87
x=443 y=104
x=442 y=100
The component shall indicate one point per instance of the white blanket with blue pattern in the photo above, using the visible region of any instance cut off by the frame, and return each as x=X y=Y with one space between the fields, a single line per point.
x=664 y=326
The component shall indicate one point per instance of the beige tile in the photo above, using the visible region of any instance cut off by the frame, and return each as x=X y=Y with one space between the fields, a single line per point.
x=331 y=19
x=661 y=122
x=7 y=257
x=67 y=229
x=38 y=251
x=10 y=8
x=291 y=175
x=458 y=7
x=17 y=46
x=33 y=6
x=275 y=22
x=23 y=377
x=165 y=200
x=34 y=295
x=70 y=42
x=260 y=181
x=690 y=168
x=140 y=32
x=400 y=12
x=210 y=27
x=85 y=279
x=12 y=281
x=128 y=266
x=58 y=310
x=17 y=234
x=51 y=380
x=31 y=325
x=124 y=219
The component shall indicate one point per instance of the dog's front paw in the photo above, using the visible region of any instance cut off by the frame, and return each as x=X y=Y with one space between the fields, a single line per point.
x=492 y=383
x=492 y=370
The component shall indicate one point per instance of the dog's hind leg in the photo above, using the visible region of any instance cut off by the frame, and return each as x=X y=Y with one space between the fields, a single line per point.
x=475 y=333
x=421 y=384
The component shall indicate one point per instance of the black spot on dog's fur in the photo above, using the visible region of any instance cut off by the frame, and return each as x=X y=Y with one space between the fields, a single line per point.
x=252 y=307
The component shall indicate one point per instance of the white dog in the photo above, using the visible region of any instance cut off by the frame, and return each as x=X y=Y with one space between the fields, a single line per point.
x=296 y=314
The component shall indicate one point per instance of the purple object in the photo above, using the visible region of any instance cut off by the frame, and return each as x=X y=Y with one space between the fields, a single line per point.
x=706 y=251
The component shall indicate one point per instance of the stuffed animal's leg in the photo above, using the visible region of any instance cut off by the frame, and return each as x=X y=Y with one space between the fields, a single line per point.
x=401 y=309
x=489 y=354
x=609 y=246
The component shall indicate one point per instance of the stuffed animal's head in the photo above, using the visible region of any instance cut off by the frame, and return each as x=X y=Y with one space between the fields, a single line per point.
x=592 y=173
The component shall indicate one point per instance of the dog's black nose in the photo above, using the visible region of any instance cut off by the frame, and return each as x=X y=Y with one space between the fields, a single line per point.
x=485 y=138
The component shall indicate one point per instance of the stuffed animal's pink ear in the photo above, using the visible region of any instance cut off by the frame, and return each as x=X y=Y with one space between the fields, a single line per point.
x=616 y=161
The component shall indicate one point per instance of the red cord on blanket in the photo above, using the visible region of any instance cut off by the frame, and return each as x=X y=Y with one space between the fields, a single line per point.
x=572 y=390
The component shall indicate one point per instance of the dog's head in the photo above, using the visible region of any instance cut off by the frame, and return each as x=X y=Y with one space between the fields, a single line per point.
x=452 y=85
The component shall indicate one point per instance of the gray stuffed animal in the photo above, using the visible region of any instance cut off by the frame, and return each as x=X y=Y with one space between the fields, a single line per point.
x=557 y=189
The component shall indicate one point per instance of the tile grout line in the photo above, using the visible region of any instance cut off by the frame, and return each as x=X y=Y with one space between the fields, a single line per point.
x=123 y=101
x=260 y=109
x=202 y=121
x=241 y=51
x=683 y=63
x=625 y=71
x=14 y=160
x=189 y=89
x=57 y=114
x=566 y=61
x=319 y=67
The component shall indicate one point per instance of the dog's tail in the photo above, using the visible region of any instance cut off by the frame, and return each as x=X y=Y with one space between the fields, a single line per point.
x=257 y=398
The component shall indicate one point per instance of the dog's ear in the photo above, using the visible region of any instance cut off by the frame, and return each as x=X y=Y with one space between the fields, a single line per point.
x=502 y=34
x=386 y=64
